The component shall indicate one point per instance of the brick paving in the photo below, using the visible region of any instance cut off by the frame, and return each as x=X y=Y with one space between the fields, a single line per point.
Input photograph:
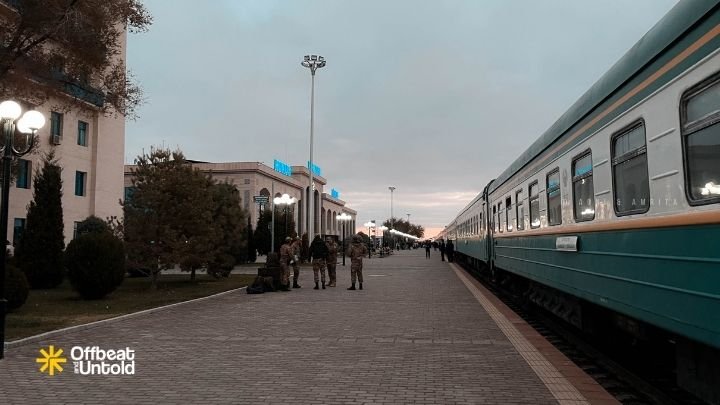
x=415 y=335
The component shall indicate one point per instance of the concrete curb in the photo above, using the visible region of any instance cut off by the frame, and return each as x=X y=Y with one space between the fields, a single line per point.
x=58 y=332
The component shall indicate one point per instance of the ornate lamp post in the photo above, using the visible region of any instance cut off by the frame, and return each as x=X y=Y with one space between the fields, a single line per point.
x=312 y=62
x=28 y=125
x=343 y=217
x=392 y=218
x=369 y=225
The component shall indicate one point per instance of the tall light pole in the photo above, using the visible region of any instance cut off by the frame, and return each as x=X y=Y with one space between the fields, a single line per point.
x=312 y=62
x=28 y=125
x=408 y=220
x=343 y=217
x=392 y=219
x=286 y=201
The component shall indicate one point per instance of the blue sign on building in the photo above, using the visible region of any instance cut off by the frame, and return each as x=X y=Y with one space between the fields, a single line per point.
x=315 y=169
x=282 y=168
x=335 y=194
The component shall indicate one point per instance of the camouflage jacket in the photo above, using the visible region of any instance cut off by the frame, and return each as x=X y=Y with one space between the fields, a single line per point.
x=285 y=253
x=296 y=247
x=332 y=251
x=357 y=251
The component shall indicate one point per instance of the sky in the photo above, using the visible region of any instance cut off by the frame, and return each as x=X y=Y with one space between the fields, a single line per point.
x=435 y=98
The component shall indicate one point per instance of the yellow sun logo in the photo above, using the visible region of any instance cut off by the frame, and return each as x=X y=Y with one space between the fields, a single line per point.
x=51 y=360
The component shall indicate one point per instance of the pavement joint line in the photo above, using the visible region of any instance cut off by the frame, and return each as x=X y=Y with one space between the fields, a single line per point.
x=559 y=387
x=90 y=325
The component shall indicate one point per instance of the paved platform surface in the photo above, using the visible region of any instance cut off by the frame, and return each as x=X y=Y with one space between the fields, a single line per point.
x=416 y=334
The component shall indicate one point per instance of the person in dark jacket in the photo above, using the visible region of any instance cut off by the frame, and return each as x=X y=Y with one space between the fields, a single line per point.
x=318 y=253
x=450 y=251
x=441 y=246
x=427 y=249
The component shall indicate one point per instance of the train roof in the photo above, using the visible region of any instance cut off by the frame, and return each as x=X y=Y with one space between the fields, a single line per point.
x=671 y=27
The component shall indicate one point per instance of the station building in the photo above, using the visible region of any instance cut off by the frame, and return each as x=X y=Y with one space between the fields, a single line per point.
x=255 y=179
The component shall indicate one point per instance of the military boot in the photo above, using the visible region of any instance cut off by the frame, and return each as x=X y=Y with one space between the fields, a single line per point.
x=323 y=285
x=361 y=286
x=352 y=287
x=316 y=286
x=296 y=285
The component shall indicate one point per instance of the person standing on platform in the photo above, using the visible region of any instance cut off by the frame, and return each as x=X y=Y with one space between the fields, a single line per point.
x=427 y=250
x=285 y=257
x=296 y=248
x=441 y=246
x=319 y=253
x=356 y=251
x=450 y=250
x=331 y=261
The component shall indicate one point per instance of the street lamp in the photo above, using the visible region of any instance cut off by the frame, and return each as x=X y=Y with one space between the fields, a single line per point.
x=312 y=62
x=343 y=217
x=287 y=201
x=369 y=225
x=28 y=125
x=392 y=219
x=382 y=228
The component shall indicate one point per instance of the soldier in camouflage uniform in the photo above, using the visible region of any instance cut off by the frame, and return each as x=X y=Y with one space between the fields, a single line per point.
x=319 y=253
x=285 y=256
x=296 y=248
x=356 y=251
x=331 y=261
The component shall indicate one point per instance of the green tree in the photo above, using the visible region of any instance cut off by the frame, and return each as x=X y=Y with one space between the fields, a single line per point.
x=251 y=249
x=403 y=225
x=169 y=219
x=229 y=217
x=96 y=264
x=262 y=233
x=70 y=51
x=39 y=253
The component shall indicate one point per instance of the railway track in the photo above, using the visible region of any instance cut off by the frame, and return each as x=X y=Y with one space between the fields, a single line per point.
x=621 y=375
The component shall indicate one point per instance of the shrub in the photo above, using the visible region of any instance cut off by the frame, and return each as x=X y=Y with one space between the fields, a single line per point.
x=16 y=287
x=92 y=224
x=96 y=264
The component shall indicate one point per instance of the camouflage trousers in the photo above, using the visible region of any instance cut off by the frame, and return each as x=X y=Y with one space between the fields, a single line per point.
x=356 y=271
x=332 y=275
x=319 y=266
x=284 y=274
x=296 y=272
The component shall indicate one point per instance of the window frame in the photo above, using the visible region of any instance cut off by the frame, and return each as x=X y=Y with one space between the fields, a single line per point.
x=508 y=210
x=530 y=201
x=85 y=134
x=60 y=120
x=27 y=184
x=84 y=183
x=640 y=122
x=687 y=130
x=547 y=195
x=519 y=222
x=500 y=213
x=586 y=152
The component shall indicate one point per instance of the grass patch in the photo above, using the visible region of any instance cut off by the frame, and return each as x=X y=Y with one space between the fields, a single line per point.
x=47 y=310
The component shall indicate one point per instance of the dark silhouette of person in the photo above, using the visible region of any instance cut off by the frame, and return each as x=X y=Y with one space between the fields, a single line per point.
x=427 y=250
x=441 y=246
x=450 y=250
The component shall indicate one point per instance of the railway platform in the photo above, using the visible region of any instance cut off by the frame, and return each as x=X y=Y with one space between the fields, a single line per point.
x=421 y=332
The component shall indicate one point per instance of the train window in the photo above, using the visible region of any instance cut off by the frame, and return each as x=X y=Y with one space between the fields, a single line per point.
x=554 y=206
x=534 y=205
x=701 y=141
x=508 y=207
x=500 y=217
x=493 y=224
x=519 y=211
x=583 y=192
x=630 y=173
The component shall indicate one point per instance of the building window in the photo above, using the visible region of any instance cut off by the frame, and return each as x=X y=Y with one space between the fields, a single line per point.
x=700 y=114
x=508 y=207
x=18 y=229
x=630 y=173
x=247 y=181
x=56 y=123
x=519 y=211
x=82 y=133
x=80 y=178
x=24 y=173
x=554 y=206
x=534 y=194
x=583 y=191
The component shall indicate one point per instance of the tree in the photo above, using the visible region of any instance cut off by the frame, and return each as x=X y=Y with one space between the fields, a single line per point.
x=169 y=219
x=230 y=243
x=70 y=50
x=96 y=264
x=39 y=253
x=251 y=249
x=262 y=232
